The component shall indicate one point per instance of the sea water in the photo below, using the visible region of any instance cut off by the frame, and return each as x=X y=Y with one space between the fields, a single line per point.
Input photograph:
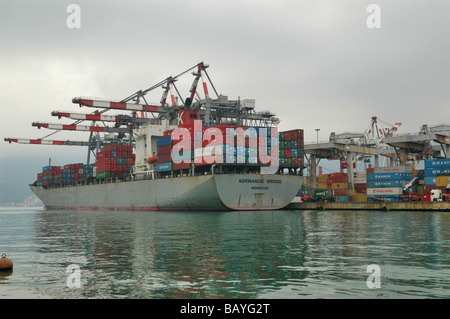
x=287 y=254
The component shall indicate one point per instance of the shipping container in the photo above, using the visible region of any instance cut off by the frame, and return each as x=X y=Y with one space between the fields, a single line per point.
x=442 y=181
x=322 y=193
x=430 y=180
x=165 y=149
x=390 y=169
x=383 y=198
x=164 y=167
x=340 y=192
x=359 y=198
x=342 y=199
x=360 y=180
x=443 y=163
x=339 y=186
x=389 y=176
x=166 y=140
x=385 y=191
x=386 y=183
x=322 y=186
x=436 y=171
x=338 y=179
x=179 y=166
x=322 y=178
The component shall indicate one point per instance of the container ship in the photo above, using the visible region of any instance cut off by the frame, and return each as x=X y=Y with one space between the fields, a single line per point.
x=197 y=153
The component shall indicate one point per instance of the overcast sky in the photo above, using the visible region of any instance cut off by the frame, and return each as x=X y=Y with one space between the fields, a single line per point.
x=315 y=63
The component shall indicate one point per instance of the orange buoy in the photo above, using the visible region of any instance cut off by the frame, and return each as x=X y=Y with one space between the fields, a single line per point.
x=5 y=263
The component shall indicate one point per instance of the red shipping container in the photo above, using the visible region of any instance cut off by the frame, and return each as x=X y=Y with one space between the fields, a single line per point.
x=426 y=197
x=164 y=158
x=101 y=155
x=288 y=136
x=166 y=149
x=287 y=153
x=119 y=154
x=340 y=192
x=337 y=174
x=181 y=166
x=338 y=179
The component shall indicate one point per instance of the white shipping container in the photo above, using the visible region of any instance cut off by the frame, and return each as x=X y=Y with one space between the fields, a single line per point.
x=385 y=191
x=390 y=169
x=360 y=180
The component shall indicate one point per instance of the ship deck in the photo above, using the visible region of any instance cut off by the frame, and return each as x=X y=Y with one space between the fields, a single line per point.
x=375 y=206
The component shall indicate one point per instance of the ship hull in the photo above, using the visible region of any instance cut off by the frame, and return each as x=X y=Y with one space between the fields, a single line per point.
x=208 y=192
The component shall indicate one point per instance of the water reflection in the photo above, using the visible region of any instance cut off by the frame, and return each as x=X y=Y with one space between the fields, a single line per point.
x=279 y=254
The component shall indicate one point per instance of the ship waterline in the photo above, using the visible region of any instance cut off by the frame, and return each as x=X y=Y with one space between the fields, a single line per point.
x=204 y=192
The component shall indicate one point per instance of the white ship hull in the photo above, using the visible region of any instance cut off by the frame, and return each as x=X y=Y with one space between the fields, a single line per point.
x=207 y=192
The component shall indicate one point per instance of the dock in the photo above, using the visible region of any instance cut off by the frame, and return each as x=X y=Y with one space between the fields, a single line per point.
x=375 y=206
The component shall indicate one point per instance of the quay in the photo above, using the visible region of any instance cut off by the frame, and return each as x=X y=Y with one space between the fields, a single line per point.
x=380 y=206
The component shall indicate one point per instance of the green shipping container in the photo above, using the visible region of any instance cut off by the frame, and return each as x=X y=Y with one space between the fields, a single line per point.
x=322 y=193
x=103 y=175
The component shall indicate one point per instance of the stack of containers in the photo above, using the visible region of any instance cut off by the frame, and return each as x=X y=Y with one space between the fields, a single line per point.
x=386 y=183
x=49 y=176
x=338 y=183
x=57 y=175
x=291 y=148
x=72 y=172
x=322 y=181
x=436 y=176
x=114 y=161
x=164 y=154
x=322 y=189
x=360 y=186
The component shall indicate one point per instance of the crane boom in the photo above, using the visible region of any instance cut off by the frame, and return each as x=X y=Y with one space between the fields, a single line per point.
x=88 y=117
x=119 y=105
x=74 y=127
x=45 y=142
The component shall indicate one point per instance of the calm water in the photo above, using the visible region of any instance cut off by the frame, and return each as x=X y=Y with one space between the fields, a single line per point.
x=279 y=254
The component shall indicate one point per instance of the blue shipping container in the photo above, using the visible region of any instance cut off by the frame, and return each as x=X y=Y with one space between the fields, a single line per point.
x=389 y=176
x=435 y=171
x=164 y=167
x=438 y=163
x=342 y=199
x=430 y=180
x=386 y=183
x=384 y=198
x=166 y=140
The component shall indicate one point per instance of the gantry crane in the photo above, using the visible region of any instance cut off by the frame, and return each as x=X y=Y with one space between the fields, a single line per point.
x=212 y=111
